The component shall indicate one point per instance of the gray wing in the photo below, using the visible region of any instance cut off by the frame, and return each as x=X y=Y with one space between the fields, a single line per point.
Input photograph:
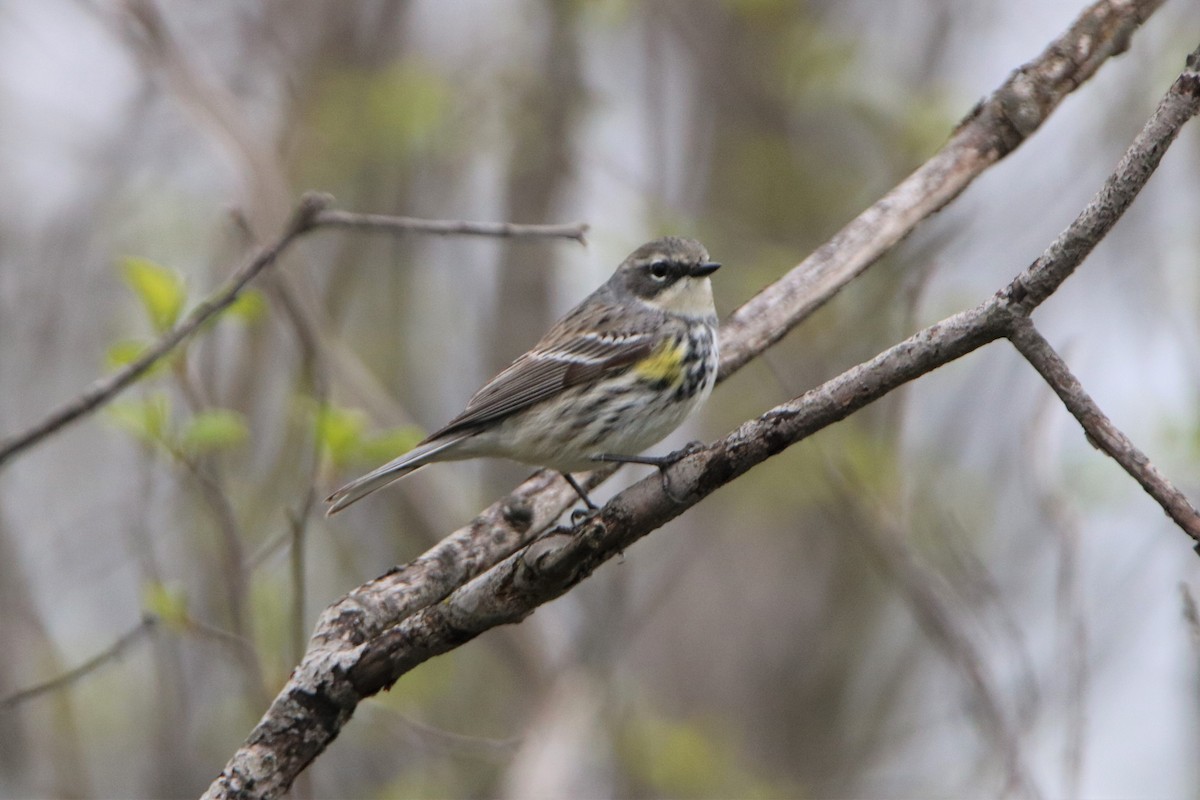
x=548 y=369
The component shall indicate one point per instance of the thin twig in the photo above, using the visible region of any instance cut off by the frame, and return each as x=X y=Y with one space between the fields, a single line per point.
x=111 y=653
x=993 y=129
x=311 y=213
x=382 y=222
x=1100 y=430
x=447 y=740
x=110 y=386
x=239 y=644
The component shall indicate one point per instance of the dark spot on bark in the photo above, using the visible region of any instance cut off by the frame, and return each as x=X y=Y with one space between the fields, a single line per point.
x=349 y=624
x=518 y=515
x=1190 y=83
x=321 y=708
x=717 y=471
x=775 y=440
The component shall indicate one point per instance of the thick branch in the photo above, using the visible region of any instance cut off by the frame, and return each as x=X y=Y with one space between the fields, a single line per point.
x=1100 y=429
x=511 y=590
x=324 y=690
x=1044 y=276
x=516 y=586
x=992 y=130
x=1101 y=31
x=386 y=639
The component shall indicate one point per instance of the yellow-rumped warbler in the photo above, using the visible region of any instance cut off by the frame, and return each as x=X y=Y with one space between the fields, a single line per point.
x=614 y=376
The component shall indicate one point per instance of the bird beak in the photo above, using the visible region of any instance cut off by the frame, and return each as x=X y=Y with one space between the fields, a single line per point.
x=703 y=270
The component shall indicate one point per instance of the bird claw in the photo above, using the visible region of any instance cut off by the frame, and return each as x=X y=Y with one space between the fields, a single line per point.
x=689 y=449
x=581 y=515
x=670 y=460
x=662 y=463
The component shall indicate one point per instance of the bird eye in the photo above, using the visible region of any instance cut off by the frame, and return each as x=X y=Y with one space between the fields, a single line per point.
x=659 y=270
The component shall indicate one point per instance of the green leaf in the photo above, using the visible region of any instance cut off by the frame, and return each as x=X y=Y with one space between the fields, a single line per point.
x=160 y=289
x=214 y=429
x=388 y=444
x=250 y=306
x=123 y=353
x=168 y=603
x=339 y=431
x=147 y=419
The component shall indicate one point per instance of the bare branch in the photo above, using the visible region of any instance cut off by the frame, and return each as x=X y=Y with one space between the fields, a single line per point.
x=331 y=680
x=552 y=565
x=110 y=386
x=993 y=129
x=383 y=222
x=310 y=214
x=111 y=653
x=507 y=525
x=1100 y=430
x=1100 y=32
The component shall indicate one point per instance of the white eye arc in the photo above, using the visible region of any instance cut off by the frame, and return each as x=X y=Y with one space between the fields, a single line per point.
x=659 y=270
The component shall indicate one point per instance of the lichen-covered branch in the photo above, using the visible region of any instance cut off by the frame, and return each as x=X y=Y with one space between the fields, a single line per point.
x=367 y=641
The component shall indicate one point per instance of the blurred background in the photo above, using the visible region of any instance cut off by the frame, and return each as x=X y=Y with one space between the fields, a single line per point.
x=950 y=594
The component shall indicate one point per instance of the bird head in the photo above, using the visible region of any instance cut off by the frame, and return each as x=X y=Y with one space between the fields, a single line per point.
x=670 y=274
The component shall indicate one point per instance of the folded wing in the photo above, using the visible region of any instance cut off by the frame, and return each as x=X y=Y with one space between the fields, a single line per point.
x=545 y=371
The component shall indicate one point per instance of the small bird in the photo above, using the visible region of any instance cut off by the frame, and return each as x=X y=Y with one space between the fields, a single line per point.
x=617 y=374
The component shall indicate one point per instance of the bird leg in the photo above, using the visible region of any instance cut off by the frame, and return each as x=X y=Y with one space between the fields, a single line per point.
x=587 y=501
x=663 y=463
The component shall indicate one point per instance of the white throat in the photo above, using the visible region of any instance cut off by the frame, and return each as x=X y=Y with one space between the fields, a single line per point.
x=688 y=297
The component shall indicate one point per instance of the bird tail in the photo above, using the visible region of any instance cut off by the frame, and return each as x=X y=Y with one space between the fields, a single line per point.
x=411 y=461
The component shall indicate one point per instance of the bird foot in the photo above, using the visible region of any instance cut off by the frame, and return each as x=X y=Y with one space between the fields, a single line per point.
x=663 y=463
x=582 y=515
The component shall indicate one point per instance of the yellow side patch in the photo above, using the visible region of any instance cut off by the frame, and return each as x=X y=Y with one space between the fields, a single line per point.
x=664 y=365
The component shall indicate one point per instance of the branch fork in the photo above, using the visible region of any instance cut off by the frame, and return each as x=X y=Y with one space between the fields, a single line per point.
x=382 y=643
